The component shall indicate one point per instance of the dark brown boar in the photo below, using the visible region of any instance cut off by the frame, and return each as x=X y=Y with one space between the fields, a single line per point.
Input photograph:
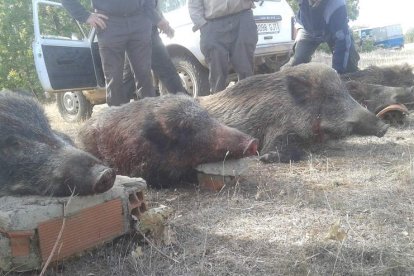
x=377 y=97
x=162 y=139
x=290 y=109
x=35 y=160
x=393 y=75
x=384 y=90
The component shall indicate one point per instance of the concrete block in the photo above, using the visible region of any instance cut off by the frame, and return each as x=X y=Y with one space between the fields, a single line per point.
x=213 y=176
x=30 y=225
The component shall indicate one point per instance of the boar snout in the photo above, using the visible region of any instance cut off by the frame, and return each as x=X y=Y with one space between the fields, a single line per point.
x=251 y=148
x=382 y=130
x=366 y=123
x=236 y=142
x=104 y=178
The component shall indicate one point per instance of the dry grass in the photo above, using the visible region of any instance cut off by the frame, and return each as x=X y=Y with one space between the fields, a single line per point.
x=275 y=220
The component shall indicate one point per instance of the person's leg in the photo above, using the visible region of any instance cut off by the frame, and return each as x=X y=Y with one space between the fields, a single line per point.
x=112 y=43
x=214 y=41
x=353 y=60
x=163 y=67
x=242 y=53
x=128 y=82
x=303 y=48
x=351 y=54
x=139 y=53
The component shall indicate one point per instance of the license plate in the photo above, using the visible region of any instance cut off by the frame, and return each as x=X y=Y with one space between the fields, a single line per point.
x=267 y=27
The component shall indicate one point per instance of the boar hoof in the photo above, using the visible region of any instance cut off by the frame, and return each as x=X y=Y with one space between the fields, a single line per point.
x=270 y=157
x=291 y=155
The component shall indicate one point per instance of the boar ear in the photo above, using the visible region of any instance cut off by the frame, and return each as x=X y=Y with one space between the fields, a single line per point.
x=153 y=131
x=299 y=88
x=353 y=88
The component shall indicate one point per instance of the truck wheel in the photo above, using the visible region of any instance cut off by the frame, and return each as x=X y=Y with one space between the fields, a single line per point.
x=73 y=106
x=193 y=75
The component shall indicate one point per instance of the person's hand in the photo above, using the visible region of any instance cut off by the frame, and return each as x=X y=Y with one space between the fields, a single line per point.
x=97 y=20
x=196 y=28
x=165 y=28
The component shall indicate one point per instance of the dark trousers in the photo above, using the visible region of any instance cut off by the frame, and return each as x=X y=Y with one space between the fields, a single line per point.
x=306 y=45
x=126 y=35
x=162 y=67
x=229 y=39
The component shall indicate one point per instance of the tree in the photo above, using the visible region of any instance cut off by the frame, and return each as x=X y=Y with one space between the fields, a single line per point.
x=352 y=6
x=17 y=69
x=16 y=35
x=409 y=36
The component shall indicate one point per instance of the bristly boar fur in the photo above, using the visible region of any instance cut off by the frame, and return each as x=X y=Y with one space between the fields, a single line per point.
x=162 y=139
x=291 y=109
x=36 y=160
x=393 y=75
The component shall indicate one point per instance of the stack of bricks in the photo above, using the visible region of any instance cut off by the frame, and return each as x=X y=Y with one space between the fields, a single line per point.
x=32 y=226
x=214 y=176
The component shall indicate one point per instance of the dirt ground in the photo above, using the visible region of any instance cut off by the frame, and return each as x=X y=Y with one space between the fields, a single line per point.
x=346 y=210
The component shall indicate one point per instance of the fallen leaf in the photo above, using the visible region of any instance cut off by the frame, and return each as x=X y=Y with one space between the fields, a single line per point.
x=137 y=253
x=336 y=232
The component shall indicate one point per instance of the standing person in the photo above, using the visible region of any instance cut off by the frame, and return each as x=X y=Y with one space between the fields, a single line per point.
x=325 y=21
x=122 y=27
x=228 y=32
x=161 y=63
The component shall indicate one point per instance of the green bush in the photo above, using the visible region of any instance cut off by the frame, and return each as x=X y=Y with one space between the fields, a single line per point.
x=366 y=46
x=409 y=36
x=17 y=70
x=323 y=47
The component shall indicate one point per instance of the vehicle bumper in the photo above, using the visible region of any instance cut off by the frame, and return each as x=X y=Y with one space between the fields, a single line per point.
x=274 y=49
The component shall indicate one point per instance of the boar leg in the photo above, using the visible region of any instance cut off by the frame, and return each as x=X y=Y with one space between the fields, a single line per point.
x=282 y=149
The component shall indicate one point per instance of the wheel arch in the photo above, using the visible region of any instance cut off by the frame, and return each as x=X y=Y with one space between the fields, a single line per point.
x=177 y=50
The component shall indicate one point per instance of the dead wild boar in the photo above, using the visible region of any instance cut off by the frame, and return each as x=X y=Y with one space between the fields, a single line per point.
x=162 y=139
x=35 y=160
x=392 y=75
x=291 y=109
x=376 y=97
x=382 y=89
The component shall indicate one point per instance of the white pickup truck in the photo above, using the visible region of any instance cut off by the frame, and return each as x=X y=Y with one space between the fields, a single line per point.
x=68 y=62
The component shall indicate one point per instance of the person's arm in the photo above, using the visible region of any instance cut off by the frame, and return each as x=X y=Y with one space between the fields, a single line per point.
x=166 y=28
x=79 y=12
x=339 y=30
x=157 y=18
x=150 y=10
x=76 y=10
x=196 y=9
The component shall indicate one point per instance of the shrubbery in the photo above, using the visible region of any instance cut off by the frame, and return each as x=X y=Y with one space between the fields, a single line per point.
x=409 y=36
x=17 y=70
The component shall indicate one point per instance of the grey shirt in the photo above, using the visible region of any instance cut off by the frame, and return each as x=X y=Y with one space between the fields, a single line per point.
x=113 y=8
x=203 y=10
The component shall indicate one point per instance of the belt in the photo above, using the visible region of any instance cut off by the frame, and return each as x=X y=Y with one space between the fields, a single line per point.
x=227 y=16
x=127 y=14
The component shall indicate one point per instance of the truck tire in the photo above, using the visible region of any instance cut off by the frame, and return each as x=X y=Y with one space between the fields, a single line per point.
x=73 y=106
x=193 y=75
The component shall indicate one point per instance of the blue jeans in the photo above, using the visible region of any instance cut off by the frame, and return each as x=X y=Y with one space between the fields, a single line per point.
x=306 y=45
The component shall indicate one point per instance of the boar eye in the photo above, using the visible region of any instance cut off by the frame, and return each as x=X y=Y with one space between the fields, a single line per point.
x=11 y=141
x=11 y=145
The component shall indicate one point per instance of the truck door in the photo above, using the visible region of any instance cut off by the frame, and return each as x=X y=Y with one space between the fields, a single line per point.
x=62 y=50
